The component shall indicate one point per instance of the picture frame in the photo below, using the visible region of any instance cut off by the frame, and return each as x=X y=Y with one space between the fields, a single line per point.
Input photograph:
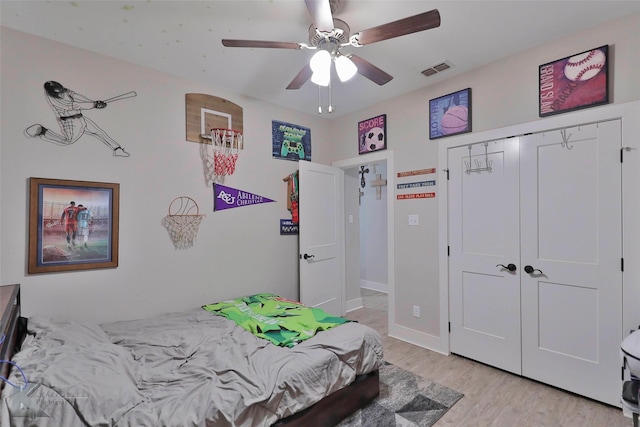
x=450 y=114
x=55 y=244
x=290 y=141
x=574 y=82
x=372 y=134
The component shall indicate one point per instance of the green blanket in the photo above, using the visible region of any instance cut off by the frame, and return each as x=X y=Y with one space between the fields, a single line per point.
x=283 y=322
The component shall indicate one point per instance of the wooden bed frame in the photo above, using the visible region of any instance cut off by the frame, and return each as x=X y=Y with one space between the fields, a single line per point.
x=337 y=406
x=326 y=413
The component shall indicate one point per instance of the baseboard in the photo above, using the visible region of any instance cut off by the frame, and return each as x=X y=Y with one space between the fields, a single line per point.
x=355 y=304
x=421 y=339
x=374 y=286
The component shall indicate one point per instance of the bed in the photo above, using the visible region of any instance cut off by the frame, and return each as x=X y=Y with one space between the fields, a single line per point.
x=187 y=368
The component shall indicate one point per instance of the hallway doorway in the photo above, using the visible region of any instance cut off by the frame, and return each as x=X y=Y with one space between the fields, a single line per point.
x=352 y=246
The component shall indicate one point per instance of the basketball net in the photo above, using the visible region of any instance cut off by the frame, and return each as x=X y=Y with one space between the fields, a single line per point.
x=220 y=160
x=183 y=222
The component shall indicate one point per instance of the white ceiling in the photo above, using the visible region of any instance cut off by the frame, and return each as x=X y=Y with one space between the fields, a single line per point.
x=183 y=38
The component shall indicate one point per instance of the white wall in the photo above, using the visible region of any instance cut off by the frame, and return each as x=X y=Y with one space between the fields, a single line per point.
x=504 y=94
x=237 y=251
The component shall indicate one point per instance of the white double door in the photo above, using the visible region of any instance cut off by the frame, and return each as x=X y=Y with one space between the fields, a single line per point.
x=550 y=206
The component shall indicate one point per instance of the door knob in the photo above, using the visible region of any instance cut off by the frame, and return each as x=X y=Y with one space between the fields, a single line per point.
x=529 y=269
x=307 y=256
x=510 y=267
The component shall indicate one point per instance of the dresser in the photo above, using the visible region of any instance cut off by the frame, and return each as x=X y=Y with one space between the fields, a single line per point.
x=9 y=315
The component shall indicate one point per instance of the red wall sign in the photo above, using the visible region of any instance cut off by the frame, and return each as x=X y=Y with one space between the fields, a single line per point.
x=416 y=196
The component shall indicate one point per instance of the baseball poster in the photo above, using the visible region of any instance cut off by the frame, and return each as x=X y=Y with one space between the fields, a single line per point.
x=290 y=142
x=575 y=82
x=450 y=114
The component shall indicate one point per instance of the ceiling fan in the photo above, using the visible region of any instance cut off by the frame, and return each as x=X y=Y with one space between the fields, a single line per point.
x=328 y=34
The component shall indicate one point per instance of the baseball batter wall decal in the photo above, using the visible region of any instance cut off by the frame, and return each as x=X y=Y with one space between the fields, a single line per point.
x=68 y=107
x=575 y=82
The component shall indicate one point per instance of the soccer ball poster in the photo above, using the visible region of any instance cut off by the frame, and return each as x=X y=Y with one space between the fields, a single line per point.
x=372 y=134
x=450 y=114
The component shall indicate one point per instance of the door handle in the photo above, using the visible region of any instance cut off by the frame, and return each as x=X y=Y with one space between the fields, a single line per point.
x=307 y=256
x=529 y=269
x=510 y=267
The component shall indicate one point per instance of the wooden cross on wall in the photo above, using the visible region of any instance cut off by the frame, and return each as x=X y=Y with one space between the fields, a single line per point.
x=379 y=183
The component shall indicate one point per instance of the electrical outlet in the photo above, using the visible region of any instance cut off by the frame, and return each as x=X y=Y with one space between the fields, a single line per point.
x=414 y=219
x=416 y=311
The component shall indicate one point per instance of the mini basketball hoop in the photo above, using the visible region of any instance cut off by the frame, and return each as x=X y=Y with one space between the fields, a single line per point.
x=220 y=160
x=183 y=222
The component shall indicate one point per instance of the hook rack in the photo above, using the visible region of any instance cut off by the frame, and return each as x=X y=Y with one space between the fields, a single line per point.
x=479 y=167
x=565 y=139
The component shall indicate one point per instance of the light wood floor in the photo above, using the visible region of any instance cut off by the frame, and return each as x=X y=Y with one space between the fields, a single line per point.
x=491 y=397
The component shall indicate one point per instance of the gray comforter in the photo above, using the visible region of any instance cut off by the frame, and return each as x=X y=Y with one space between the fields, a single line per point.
x=191 y=368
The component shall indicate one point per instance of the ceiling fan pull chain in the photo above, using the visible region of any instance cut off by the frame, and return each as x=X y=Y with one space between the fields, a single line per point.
x=330 y=107
x=319 y=101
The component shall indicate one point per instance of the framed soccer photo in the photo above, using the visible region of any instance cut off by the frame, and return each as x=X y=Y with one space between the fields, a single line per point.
x=575 y=82
x=450 y=114
x=372 y=134
x=73 y=225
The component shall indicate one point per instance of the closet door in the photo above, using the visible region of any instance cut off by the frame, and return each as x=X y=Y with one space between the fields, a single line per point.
x=571 y=235
x=484 y=232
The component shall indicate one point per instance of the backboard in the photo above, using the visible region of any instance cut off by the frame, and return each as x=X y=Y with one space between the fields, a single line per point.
x=206 y=112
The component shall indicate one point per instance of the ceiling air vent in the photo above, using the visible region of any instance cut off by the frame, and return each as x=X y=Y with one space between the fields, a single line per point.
x=436 y=69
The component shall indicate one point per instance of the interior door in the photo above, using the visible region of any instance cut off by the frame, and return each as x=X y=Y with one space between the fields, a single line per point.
x=572 y=237
x=320 y=215
x=483 y=242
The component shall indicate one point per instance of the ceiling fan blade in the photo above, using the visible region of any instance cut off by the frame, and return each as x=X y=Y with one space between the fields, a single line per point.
x=301 y=78
x=370 y=71
x=320 y=11
x=401 y=27
x=260 y=44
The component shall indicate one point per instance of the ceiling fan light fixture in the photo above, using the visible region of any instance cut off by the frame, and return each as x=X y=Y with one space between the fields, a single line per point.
x=321 y=77
x=320 y=61
x=345 y=68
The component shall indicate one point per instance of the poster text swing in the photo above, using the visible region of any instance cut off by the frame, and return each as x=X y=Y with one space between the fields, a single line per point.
x=575 y=82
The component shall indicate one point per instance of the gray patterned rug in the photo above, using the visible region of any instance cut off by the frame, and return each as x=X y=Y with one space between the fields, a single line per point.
x=406 y=400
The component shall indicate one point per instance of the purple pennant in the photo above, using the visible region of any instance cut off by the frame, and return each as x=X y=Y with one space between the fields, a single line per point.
x=227 y=198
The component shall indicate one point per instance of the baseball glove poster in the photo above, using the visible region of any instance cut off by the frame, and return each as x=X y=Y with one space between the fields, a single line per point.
x=575 y=82
x=450 y=114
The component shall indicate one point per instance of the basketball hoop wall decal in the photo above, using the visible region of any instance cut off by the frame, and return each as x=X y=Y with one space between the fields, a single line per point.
x=183 y=222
